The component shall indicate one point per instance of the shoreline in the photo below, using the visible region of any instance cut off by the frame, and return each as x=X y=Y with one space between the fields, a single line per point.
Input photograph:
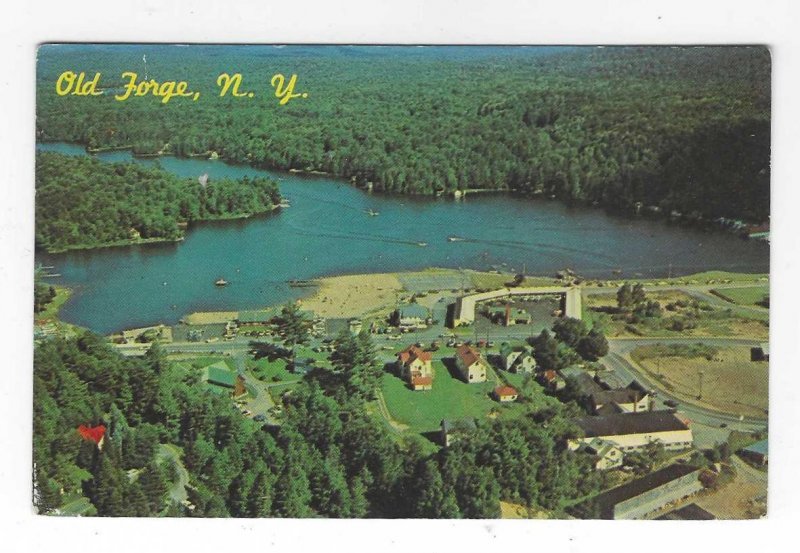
x=148 y=241
x=636 y=210
x=358 y=295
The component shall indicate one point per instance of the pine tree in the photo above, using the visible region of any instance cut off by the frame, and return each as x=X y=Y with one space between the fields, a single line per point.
x=154 y=486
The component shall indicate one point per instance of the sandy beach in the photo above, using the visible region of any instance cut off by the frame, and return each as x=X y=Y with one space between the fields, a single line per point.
x=353 y=295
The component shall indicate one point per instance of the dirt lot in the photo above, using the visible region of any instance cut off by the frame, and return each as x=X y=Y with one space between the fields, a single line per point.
x=745 y=497
x=731 y=382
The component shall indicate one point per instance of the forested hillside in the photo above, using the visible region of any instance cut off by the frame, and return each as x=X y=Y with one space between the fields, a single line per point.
x=684 y=129
x=329 y=458
x=82 y=202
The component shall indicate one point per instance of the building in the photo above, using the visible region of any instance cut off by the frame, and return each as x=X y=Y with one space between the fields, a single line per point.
x=692 y=511
x=551 y=380
x=505 y=394
x=757 y=453
x=633 y=431
x=464 y=313
x=355 y=326
x=413 y=315
x=631 y=399
x=760 y=352
x=517 y=359
x=606 y=455
x=259 y=317
x=421 y=383
x=452 y=431
x=471 y=364
x=222 y=380
x=639 y=498
x=414 y=366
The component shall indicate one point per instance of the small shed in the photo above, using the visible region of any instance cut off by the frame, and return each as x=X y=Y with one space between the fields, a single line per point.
x=505 y=394
x=757 y=453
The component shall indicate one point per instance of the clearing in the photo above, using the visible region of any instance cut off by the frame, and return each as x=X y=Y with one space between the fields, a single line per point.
x=731 y=382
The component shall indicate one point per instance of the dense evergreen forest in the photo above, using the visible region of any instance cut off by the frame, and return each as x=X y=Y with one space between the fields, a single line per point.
x=82 y=202
x=685 y=129
x=330 y=457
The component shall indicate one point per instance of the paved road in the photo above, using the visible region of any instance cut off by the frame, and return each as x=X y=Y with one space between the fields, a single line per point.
x=177 y=492
x=619 y=361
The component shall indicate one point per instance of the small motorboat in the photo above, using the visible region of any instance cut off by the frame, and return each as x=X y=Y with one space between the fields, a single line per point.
x=220 y=282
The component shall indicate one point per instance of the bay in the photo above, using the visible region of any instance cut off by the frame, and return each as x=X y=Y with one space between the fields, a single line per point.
x=328 y=231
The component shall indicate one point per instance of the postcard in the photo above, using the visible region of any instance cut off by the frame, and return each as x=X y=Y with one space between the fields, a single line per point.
x=441 y=282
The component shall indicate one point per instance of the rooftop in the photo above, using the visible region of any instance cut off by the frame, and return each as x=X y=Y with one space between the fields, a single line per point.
x=221 y=375
x=413 y=310
x=620 y=395
x=505 y=391
x=607 y=500
x=692 y=511
x=468 y=355
x=762 y=447
x=421 y=381
x=461 y=425
x=631 y=423
x=411 y=353
x=260 y=316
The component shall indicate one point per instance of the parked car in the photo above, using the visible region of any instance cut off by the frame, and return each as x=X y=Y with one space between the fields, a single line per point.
x=671 y=403
x=259 y=418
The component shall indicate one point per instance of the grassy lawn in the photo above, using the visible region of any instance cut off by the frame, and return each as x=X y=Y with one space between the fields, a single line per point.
x=278 y=390
x=450 y=398
x=750 y=295
x=272 y=371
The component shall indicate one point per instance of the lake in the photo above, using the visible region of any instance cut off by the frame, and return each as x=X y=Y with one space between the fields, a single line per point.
x=328 y=231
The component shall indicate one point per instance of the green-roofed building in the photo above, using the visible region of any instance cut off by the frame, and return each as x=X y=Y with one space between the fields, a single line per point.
x=221 y=379
x=258 y=317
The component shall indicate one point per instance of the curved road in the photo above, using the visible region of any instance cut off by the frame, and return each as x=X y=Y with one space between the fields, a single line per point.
x=618 y=360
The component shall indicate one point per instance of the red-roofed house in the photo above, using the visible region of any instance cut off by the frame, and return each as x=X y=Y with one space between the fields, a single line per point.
x=421 y=383
x=471 y=365
x=414 y=365
x=505 y=394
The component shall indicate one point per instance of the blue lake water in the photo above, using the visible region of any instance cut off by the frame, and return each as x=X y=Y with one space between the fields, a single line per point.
x=327 y=231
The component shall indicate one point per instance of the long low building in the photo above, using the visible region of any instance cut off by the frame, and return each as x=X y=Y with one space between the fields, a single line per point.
x=465 y=305
x=633 y=431
x=640 y=497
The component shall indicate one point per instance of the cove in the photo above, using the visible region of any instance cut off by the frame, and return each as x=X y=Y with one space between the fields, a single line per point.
x=328 y=231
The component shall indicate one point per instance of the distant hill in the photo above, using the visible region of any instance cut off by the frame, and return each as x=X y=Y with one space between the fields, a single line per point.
x=684 y=129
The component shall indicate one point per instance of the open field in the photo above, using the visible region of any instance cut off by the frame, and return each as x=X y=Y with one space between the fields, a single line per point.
x=751 y=295
x=730 y=381
x=703 y=318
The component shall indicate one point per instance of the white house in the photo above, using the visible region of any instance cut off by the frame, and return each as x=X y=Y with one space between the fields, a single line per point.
x=414 y=365
x=517 y=359
x=607 y=455
x=471 y=364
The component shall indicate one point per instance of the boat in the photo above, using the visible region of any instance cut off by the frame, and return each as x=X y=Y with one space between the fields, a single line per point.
x=422 y=244
x=220 y=282
x=455 y=239
x=372 y=212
